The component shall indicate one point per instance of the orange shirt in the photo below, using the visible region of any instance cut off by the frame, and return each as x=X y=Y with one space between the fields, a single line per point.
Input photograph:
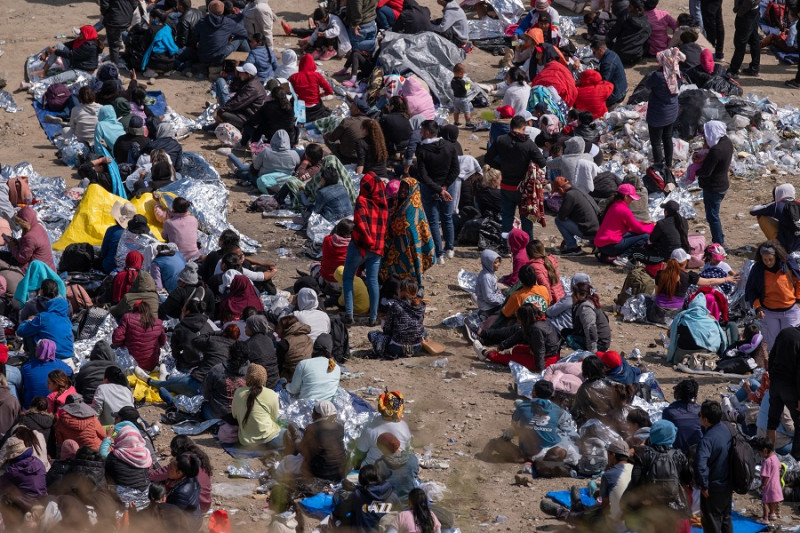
x=781 y=291
x=537 y=295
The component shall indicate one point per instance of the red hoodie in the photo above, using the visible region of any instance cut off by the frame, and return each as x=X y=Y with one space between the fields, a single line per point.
x=395 y=5
x=593 y=92
x=559 y=77
x=308 y=82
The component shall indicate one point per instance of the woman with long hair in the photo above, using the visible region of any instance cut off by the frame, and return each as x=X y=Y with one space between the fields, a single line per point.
x=418 y=518
x=222 y=381
x=773 y=288
x=546 y=268
x=33 y=440
x=126 y=277
x=142 y=333
x=255 y=409
x=60 y=386
x=371 y=154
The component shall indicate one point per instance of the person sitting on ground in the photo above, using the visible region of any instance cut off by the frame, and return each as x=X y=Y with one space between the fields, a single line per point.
x=261 y=346
x=308 y=84
x=403 y=329
x=36 y=370
x=343 y=140
x=295 y=345
x=112 y=395
x=539 y=7
x=60 y=467
x=535 y=345
x=593 y=93
x=620 y=233
x=184 y=488
x=277 y=157
x=390 y=407
x=142 y=333
x=159 y=513
x=490 y=299
x=52 y=324
x=239 y=294
x=334 y=251
x=329 y=38
x=24 y=479
x=262 y=58
x=418 y=516
x=276 y=114
x=689 y=47
x=371 y=500
x=181 y=228
x=786 y=40
x=189 y=288
x=660 y=24
x=453 y=25
x=402 y=465
x=33 y=245
x=517 y=243
x=127 y=457
x=683 y=413
x=546 y=268
x=255 y=410
x=319 y=452
x=83 y=117
x=695 y=330
x=60 y=386
x=222 y=380
x=669 y=234
x=630 y=34
x=333 y=200
x=528 y=292
x=78 y=421
x=590 y=330
x=248 y=98
x=316 y=378
x=125 y=278
x=638 y=426
x=48 y=291
x=537 y=424
x=396 y=125
x=182 y=444
x=308 y=313
x=618 y=369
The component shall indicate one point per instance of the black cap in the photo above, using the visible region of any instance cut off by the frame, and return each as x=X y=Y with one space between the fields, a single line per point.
x=543 y=389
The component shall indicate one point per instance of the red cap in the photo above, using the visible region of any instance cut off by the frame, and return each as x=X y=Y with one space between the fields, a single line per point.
x=3 y=353
x=505 y=111
x=611 y=359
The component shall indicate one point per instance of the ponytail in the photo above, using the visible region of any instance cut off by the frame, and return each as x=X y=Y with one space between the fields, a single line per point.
x=251 y=400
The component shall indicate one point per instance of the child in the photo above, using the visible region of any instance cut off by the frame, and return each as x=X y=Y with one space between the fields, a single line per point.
x=402 y=326
x=461 y=104
x=771 y=490
x=329 y=38
x=536 y=345
x=489 y=298
x=334 y=250
x=550 y=32
x=596 y=24
x=262 y=57
x=715 y=267
x=786 y=40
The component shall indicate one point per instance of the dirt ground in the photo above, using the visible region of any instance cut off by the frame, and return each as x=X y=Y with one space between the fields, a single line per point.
x=455 y=416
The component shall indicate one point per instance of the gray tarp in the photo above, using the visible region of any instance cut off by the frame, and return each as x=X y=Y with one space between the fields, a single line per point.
x=427 y=55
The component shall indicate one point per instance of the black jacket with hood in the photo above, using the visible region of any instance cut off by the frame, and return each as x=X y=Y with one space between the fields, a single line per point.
x=186 y=354
x=511 y=154
x=117 y=13
x=628 y=37
x=215 y=350
x=219 y=385
x=437 y=164
x=261 y=350
x=90 y=376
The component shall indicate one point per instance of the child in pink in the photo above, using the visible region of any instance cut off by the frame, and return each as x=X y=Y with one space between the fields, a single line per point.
x=771 y=491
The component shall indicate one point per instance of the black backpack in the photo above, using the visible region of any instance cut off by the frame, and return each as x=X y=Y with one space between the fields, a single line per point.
x=77 y=257
x=742 y=461
x=341 y=340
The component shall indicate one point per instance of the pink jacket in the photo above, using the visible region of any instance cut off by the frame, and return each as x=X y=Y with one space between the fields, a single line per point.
x=143 y=345
x=618 y=221
x=565 y=377
x=660 y=20
x=181 y=229
x=33 y=244
x=543 y=278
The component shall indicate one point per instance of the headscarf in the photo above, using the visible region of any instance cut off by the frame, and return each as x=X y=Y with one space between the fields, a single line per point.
x=256 y=376
x=409 y=250
x=418 y=98
x=325 y=409
x=517 y=241
x=707 y=60
x=126 y=277
x=107 y=129
x=37 y=272
x=390 y=405
x=69 y=447
x=670 y=60
x=88 y=33
x=706 y=332
x=714 y=130
x=46 y=350
x=307 y=299
x=122 y=107
x=288 y=64
x=663 y=433
x=130 y=447
x=241 y=294
x=370 y=215
x=672 y=209
x=258 y=324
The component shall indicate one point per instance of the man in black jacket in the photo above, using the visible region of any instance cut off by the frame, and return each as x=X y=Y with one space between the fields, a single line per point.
x=512 y=154
x=245 y=102
x=713 y=175
x=117 y=15
x=746 y=32
x=437 y=168
x=577 y=216
x=629 y=35
x=189 y=17
x=784 y=374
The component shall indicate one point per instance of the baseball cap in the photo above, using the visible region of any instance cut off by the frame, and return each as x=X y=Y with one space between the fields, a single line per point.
x=248 y=68
x=680 y=255
x=505 y=111
x=619 y=447
x=526 y=115
x=580 y=277
x=628 y=190
x=716 y=252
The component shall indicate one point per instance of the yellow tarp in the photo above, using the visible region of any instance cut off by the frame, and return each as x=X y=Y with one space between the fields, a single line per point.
x=143 y=391
x=93 y=217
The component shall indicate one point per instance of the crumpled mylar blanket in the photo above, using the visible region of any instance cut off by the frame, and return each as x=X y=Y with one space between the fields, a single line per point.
x=684 y=198
x=467 y=280
x=635 y=308
x=7 y=102
x=318 y=228
x=299 y=412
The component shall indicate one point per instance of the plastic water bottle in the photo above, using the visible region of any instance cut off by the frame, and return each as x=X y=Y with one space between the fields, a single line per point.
x=374 y=391
x=440 y=363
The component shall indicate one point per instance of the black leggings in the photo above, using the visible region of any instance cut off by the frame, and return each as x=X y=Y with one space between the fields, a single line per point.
x=661 y=141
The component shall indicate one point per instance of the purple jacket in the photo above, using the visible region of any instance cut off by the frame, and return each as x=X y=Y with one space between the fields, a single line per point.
x=181 y=229
x=27 y=473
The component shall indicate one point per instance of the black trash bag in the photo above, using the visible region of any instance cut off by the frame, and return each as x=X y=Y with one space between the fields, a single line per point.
x=640 y=94
x=715 y=110
x=490 y=236
x=691 y=104
x=493 y=45
x=734 y=365
x=739 y=106
x=470 y=233
x=724 y=86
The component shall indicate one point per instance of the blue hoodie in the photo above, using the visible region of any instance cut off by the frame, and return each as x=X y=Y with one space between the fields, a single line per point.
x=53 y=324
x=213 y=33
x=34 y=376
x=264 y=61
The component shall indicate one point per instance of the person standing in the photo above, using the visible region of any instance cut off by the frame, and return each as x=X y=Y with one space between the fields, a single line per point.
x=714 y=26
x=712 y=466
x=116 y=16
x=438 y=168
x=746 y=33
x=362 y=29
x=258 y=18
x=784 y=385
x=713 y=175
x=512 y=154
x=662 y=109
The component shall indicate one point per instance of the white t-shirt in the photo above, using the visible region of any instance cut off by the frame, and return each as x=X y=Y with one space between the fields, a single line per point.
x=368 y=440
x=517 y=96
x=725 y=267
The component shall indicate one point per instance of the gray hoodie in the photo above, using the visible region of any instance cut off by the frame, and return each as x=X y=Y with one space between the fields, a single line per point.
x=575 y=165
x=278 y=156
x=489 y=296
x=453 y=16
x=307 y=313
x=288 y=64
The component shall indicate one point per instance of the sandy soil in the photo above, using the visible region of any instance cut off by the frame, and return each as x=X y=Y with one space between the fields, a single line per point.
x=455 y=416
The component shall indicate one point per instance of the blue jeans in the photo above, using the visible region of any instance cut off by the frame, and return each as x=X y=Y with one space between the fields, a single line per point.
x=569 y=230
x=511 y=200
x=365 y=41
x=628 y=243
x=223 y=91
x=439 y=213
x=694 y=11
x=352 y=261
x=741 y=394
x=712 y=201
x=385 y=18
x=185 y=385
x=242 y=169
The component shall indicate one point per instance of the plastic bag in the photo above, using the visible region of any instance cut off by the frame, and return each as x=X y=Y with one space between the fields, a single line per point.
x=228 y=134
x=318 y=228
x=435 y=491
x=594 y=428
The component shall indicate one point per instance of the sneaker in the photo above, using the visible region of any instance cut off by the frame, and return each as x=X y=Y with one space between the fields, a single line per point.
x=471 y=337
x=456 y=124
x=441 y=260
x=347 y=320
x=316 y=54
x=52 y=119
x=342 y=72
x=479 y=350
x=621 y=262
x=349 y=83
x=793 y=83
x=141 y=374
x=327 y=55
x=750 y=71
x=570 y=252
x=733 y=74
x=286 y=28
x=469 y=125
x=450 y=254
x=162 y=372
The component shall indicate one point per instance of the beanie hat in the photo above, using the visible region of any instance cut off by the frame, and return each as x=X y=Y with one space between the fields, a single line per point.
x=611 y=359
x=543 y=389
x=325 y=409
x=707 y=60
x=189 y=274
x=784 y=192
x=663 y=433
x=256 y=375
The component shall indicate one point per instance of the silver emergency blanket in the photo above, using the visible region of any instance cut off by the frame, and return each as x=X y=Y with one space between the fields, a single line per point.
x=457 y=320
x=54 y=209
x=508 y=11
x=83 y=348
x=736 y=300
x=635 y=308
x=467 y=280
x=429 y=56
x=69 y=149
x=524 y=379
x=242 y=469
x=318 y=228
x=299 y=412
x=486 y=28
x=206 y=118
x=197 y=168
x=684 y=198
x=189 y=404
x=7 y=102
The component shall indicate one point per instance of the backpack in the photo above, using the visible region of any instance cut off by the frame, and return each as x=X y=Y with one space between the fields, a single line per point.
x=775 y=14
x=56 y=97
x=638 y=281
x=19 y=191
x=698 y=243
x=77 y=257
x=654 y=181
x=790 y=219
x=742 y=461
x=341 y=340
x=78 y=298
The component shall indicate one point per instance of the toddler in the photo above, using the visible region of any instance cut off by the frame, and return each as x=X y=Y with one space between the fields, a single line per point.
x=461 y=85
x=771 y=490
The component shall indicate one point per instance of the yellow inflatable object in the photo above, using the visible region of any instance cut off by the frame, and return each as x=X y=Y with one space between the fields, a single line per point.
x=93 y=217
x=142 y=390
x=488 y=115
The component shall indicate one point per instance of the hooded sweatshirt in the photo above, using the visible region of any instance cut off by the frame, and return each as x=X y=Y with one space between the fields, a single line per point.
x=187 y=356
x=144 y=288
x=288 y=65
x=404 y=469
x=220 y=385
x=83 y=428
x=82 y=120
x=295 y=346
x=213 y=33
x=593 y=92
x=28 y=475
x=437 y=163
x=34 y=375
x=576 y=165
x=309 y=314
x=34 y=244
x=53 y=324
x=90 y=376
x=403 y=322
x=489 y=296
x=370 y=504
x=334 y=251
x=517 y=241
x=713 y=174
x=627 y=37
x=454 y=17
x=278 y=156
x=307 y=82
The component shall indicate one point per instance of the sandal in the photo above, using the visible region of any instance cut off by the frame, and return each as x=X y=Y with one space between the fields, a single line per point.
x=774 y=517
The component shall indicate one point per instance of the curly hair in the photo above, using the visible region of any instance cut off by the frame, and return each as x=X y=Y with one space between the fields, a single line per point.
x=375 y=138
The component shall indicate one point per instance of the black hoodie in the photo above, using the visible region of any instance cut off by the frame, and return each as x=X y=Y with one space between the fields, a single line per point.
x=186 y=354
x=628 y=37
x=437 y=164
x=511 y=154
x=90 y=376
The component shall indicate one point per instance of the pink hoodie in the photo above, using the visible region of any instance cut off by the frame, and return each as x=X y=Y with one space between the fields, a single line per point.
x=618 y=221
x=517 y=241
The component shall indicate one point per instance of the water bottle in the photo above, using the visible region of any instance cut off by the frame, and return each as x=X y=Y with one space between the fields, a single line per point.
x=440 y=363
x=374 y=391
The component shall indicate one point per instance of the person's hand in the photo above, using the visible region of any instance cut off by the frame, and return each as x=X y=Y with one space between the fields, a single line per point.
x=107 y=160
x=357 y=30
x=133 y=74
x=760 y=314
x=446 y=196
x=704 y=492
x=746 y=385
x=732 y=278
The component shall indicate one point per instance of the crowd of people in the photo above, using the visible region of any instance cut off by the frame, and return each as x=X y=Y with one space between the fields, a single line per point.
x=391 y=180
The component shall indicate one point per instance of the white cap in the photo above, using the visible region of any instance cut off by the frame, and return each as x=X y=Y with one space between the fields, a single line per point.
x=249 y=68
x=526 y=115
x=680 y=255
